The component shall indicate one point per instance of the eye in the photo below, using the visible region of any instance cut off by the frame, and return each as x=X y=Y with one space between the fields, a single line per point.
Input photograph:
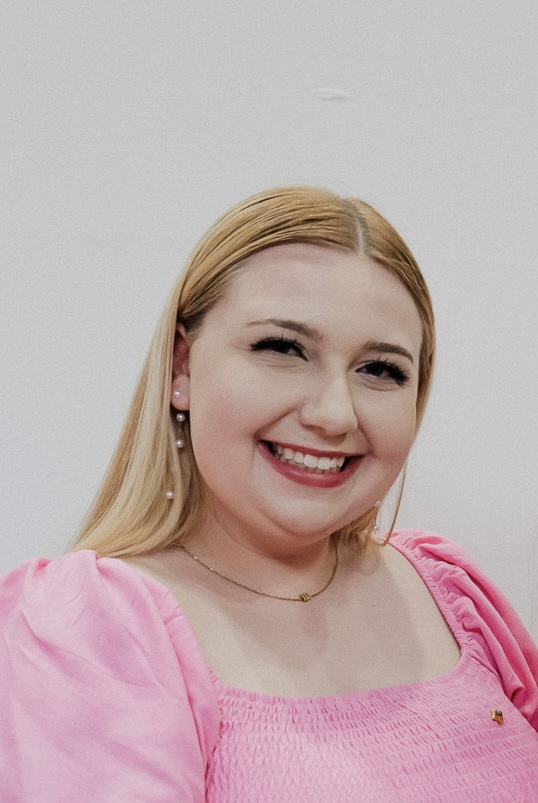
x=386 y=371
x=280 y=345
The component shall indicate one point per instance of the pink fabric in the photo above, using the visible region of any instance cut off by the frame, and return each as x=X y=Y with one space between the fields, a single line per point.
x=94 y=699
x=479 y=615
x=105 y=696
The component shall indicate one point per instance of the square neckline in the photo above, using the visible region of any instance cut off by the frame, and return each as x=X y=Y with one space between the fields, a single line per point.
x=461 y=667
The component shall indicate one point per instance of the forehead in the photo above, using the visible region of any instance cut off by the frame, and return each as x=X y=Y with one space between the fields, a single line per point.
x=333 y=290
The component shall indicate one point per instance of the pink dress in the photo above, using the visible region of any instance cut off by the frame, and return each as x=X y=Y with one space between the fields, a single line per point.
x=105 y=697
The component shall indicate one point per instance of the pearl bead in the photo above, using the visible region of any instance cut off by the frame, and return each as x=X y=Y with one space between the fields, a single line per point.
x=180 y=417
x=169 y=494
x=180 y=444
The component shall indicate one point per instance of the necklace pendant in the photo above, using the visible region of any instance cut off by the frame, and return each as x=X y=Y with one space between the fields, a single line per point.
x=304 y=597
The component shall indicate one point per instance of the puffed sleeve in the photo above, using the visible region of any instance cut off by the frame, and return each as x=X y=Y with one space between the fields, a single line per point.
x=479 y=614
x=104 y=695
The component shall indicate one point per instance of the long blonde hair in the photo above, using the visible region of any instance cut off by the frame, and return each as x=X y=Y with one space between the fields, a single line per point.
x=132 y=513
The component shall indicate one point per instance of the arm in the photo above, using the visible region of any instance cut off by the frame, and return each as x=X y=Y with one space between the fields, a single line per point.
x=95 y=702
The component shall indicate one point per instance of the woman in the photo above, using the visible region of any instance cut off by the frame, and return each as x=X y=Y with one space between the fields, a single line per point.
x=228 y=627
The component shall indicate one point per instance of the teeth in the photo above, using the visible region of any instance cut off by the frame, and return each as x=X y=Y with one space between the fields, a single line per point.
x=310 y=463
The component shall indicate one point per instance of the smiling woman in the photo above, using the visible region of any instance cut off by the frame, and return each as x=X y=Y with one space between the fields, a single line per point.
x=278 y=404
x=132 y=513
x=289 y=359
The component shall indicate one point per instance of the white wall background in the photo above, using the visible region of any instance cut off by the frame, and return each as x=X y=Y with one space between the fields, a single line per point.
x=128 y=126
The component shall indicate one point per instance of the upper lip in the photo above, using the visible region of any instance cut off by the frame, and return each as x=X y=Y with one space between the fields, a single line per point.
x=314 y=452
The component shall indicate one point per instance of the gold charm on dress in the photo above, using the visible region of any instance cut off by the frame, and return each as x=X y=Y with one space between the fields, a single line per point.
x=497 y=715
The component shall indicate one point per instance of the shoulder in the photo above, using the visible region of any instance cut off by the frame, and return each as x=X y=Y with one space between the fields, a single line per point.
x=452 y=575
x=93 y=653
x=80 y=592
x=478 y=613
x=446 y=566
x=449 y=570
x=423 y=544
x=90 y=606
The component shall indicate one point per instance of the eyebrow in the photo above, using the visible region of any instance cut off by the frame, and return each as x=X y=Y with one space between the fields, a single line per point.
x=315 y=334
x=390 y=348
x=294 y=326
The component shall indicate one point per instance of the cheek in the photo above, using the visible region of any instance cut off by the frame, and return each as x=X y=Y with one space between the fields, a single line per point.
x=393 y=435
x=221 y=418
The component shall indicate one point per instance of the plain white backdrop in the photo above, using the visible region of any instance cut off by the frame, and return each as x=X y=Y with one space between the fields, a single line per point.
x=128 y=126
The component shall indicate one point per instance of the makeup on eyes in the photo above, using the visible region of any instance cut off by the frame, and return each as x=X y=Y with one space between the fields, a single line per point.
x=395 y=372
x=380 y=367
x=281 y=344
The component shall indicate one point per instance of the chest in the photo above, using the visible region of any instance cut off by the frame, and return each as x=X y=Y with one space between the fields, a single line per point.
x=363 y=634
x=430 y=741
x=377 y=625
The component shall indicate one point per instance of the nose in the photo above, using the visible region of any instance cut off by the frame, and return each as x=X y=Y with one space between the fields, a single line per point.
x=329 y=407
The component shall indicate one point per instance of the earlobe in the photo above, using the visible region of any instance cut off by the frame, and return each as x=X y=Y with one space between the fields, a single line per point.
x=179 y=394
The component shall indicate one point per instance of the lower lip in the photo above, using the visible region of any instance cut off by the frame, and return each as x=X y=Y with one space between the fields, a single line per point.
x=303 y=477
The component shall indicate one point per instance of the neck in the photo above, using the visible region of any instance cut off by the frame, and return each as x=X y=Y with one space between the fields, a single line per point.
x=285 y=569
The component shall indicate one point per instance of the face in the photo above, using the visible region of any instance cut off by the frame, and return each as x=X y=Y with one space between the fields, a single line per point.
x=301 y=386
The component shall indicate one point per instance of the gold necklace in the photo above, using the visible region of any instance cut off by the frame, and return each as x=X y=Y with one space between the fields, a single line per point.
x=304 y=597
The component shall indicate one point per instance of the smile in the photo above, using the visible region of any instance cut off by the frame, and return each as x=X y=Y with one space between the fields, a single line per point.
x=324 y=464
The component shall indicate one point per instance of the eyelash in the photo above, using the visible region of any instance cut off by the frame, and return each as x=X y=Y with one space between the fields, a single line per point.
x=281 y=345
x=284 y=345
x=396 y=374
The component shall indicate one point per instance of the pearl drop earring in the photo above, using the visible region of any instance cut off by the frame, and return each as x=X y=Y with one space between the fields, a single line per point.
x=180 y=442
x=177 y=394
x=375 y=529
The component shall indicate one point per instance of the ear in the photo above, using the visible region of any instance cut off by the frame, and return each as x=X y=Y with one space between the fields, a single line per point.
x=179 y=392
